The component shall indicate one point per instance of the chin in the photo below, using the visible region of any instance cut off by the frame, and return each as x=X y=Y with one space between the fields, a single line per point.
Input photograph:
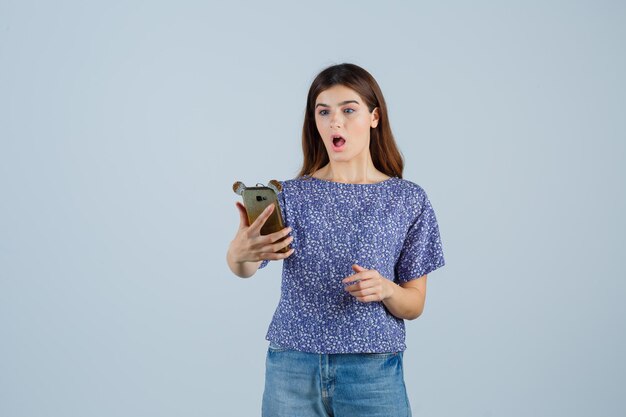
x=341 y=157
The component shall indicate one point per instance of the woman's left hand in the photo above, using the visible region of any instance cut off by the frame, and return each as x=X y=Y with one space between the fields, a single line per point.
x=371 y=286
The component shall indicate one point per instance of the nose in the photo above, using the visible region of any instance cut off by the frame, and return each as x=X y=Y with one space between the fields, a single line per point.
x=335 y=120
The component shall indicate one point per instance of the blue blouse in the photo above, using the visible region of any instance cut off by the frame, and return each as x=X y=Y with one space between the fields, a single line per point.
x=389 y=226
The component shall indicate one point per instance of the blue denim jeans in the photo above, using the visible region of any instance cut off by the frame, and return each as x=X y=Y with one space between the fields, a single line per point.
x=299 y=384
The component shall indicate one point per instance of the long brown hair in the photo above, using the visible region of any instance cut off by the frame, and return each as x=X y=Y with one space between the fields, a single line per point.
x=385 y=154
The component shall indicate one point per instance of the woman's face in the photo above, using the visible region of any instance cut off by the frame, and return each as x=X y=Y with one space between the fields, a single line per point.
x=344 y=121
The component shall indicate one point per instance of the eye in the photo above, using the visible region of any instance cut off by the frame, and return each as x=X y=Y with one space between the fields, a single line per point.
x=349 y=111
x=321 y=113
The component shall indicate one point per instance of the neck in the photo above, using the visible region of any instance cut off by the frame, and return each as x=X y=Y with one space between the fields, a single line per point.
x=353 y=172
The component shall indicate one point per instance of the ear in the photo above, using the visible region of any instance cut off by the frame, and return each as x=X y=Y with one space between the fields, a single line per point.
x=276 y=186
x=238 y=187
x=375 y=118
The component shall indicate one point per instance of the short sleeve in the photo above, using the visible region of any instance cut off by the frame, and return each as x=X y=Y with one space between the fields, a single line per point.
x=421 y=252
x=281 y=202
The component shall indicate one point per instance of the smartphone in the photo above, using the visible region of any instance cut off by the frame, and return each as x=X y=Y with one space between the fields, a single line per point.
x=256 y=199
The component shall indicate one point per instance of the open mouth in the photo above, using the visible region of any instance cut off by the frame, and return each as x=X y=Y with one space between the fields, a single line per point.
x=338 y=141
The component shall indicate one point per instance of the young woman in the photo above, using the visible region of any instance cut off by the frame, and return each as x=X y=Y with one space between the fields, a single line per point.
x=363 y=241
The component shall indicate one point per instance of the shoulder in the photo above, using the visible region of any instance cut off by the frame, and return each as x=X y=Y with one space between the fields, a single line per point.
x=409 y=185
x=292 y=189
x=410 y=190
x=414 y=198
x=295 y=183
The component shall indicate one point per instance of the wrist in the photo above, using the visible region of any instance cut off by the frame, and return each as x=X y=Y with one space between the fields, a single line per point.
x=232 y=258
x=391 y=289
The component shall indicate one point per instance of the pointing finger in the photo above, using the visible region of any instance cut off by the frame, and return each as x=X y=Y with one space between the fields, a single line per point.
x=357 y=276
x=352 y=279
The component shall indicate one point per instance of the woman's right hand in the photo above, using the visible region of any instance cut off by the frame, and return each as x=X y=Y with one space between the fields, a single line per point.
x=249 y=245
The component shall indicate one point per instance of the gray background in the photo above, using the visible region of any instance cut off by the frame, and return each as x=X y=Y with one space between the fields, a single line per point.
x=123 y=127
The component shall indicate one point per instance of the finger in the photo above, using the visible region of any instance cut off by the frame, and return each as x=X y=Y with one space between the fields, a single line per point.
x=366 y=295
x=284 y=243
x=276 y=256
x=243 y=215
x=359 y=276
x=276 y=236
x=350 y=279
x=361 y=285
x=355 y=277
x=349 y=282
x=370 y=293
x=260 y=221
x=369 y=298
x=278 y=245
x=264 y=242
x=360 y=293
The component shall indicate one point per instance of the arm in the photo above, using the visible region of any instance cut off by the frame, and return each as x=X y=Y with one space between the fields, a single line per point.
x=241 y=269
x=405 y=301
x=249 y=247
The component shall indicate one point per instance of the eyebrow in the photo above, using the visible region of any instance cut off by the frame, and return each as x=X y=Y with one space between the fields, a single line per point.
x=341 y=104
